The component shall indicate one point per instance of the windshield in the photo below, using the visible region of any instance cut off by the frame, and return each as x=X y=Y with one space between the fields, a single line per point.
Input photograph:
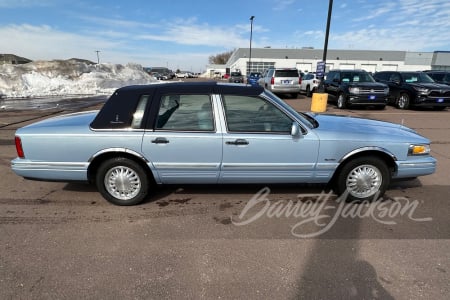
x=311 y=124
x=412 y=77
x=356 y=77
x=235 y=73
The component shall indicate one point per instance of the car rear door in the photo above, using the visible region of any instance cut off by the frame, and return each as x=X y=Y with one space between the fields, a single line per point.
x=184 y=144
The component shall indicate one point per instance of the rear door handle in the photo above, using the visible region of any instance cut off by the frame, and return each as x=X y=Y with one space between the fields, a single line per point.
x=237 y=142
x=160 y=140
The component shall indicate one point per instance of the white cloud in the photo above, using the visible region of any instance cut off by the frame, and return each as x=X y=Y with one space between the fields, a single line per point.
x=281 y=4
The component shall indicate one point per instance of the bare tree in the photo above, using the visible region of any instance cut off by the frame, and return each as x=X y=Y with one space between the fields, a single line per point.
x=221 y=58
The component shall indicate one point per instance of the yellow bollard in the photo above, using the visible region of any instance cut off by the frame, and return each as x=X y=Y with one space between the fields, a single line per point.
x=319 y=102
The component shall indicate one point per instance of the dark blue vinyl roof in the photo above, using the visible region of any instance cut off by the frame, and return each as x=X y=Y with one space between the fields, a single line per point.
x=123 y=102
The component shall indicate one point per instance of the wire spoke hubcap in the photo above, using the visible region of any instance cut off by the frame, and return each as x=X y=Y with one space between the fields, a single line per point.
x=364 y=181
x=122 y=182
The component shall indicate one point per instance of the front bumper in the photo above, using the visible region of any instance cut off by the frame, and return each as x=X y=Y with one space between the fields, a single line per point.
x=415 y=167
x=432 y=101
x=367 y=99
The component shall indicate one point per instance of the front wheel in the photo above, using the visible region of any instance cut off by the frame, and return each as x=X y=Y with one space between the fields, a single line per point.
x=122 y=181
x=363 y=178
x=403 y=101
x=341 y=103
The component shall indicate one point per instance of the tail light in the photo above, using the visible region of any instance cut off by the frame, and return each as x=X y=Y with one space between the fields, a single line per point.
x=19 y=148
x=300 y=80
x=272 y=81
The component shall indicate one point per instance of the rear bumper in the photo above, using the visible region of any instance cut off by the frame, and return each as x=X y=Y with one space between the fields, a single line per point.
x=285 y=89
x=52 y=171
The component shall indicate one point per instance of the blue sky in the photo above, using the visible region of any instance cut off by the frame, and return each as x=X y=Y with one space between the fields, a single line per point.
x=183 y=34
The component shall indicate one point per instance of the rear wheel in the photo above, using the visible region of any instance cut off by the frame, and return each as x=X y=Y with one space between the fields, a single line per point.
x=341 y=102
x=122 y=181
x=308 y=91
x=363 y=178
x=403 y=101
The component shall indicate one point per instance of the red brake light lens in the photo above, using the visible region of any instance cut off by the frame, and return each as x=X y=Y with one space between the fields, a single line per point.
x=272 y=81
x=19 y=148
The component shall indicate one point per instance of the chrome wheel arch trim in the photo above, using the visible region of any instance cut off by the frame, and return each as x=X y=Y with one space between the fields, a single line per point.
x=371 y=148
x=118 y=150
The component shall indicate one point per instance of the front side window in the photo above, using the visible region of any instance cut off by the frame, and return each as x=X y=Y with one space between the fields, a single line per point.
x=253 y=114
x=185 y=113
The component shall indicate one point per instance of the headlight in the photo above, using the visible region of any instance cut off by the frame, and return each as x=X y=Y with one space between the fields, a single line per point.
x=386 y=90
x=422 y=90
x=353 y=90
x=419 y=150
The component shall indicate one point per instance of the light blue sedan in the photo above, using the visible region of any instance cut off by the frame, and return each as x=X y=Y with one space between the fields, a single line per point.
x=212 y=133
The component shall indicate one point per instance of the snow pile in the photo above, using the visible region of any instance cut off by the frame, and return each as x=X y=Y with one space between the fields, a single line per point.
x=68 y=77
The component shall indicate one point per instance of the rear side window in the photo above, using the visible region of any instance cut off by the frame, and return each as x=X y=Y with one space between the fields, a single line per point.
x=185 y=113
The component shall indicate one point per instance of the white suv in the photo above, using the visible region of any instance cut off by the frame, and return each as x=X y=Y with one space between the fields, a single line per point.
x=310 y=83
x=281 y=81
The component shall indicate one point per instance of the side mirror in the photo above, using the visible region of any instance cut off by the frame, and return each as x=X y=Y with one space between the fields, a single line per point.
x=296 y=130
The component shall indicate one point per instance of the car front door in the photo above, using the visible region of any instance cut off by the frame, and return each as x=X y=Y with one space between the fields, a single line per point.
x=184 y=145
x=331 y=85
x=258 y=146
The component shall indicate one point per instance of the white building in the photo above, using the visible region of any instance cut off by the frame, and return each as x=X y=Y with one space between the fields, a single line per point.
x=306 y=60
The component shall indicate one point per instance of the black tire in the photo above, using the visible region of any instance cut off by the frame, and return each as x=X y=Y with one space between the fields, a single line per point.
x=308 y=91
x=363 y=179
x=341 y=102
x=122 y=181
x=403 y=101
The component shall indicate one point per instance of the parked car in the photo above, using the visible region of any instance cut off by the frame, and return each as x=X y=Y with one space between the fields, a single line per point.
x=159 y=76
x=253 y=78
x=212 y=133
x=409 y=89
x=236 y=77
x=309 y=84
x=355 y=88
x=281 y=81
x=440 y=76
x=183 y=74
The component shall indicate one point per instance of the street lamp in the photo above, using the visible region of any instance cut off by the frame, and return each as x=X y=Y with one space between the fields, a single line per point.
x=325 y=47
x=98 y=57
x=250 y=54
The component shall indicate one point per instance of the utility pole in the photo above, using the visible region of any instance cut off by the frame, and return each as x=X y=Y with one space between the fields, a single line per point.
x=98 y=57
x=325 y=47
x=250 y=54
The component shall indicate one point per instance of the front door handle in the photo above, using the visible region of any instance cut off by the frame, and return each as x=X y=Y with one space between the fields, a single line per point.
x=160 y=140
x=238 y=142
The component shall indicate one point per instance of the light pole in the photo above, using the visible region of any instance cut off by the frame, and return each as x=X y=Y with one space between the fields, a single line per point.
x=98 y=57
x=250 y=54
x=325 y=47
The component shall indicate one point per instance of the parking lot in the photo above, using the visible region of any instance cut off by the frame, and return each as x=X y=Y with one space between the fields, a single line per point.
x=63 y=240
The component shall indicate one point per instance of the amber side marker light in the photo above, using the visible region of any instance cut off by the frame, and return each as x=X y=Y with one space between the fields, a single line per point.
x=19 y=148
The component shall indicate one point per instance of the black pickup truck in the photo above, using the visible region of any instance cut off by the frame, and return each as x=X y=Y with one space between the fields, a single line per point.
x=408 y=89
